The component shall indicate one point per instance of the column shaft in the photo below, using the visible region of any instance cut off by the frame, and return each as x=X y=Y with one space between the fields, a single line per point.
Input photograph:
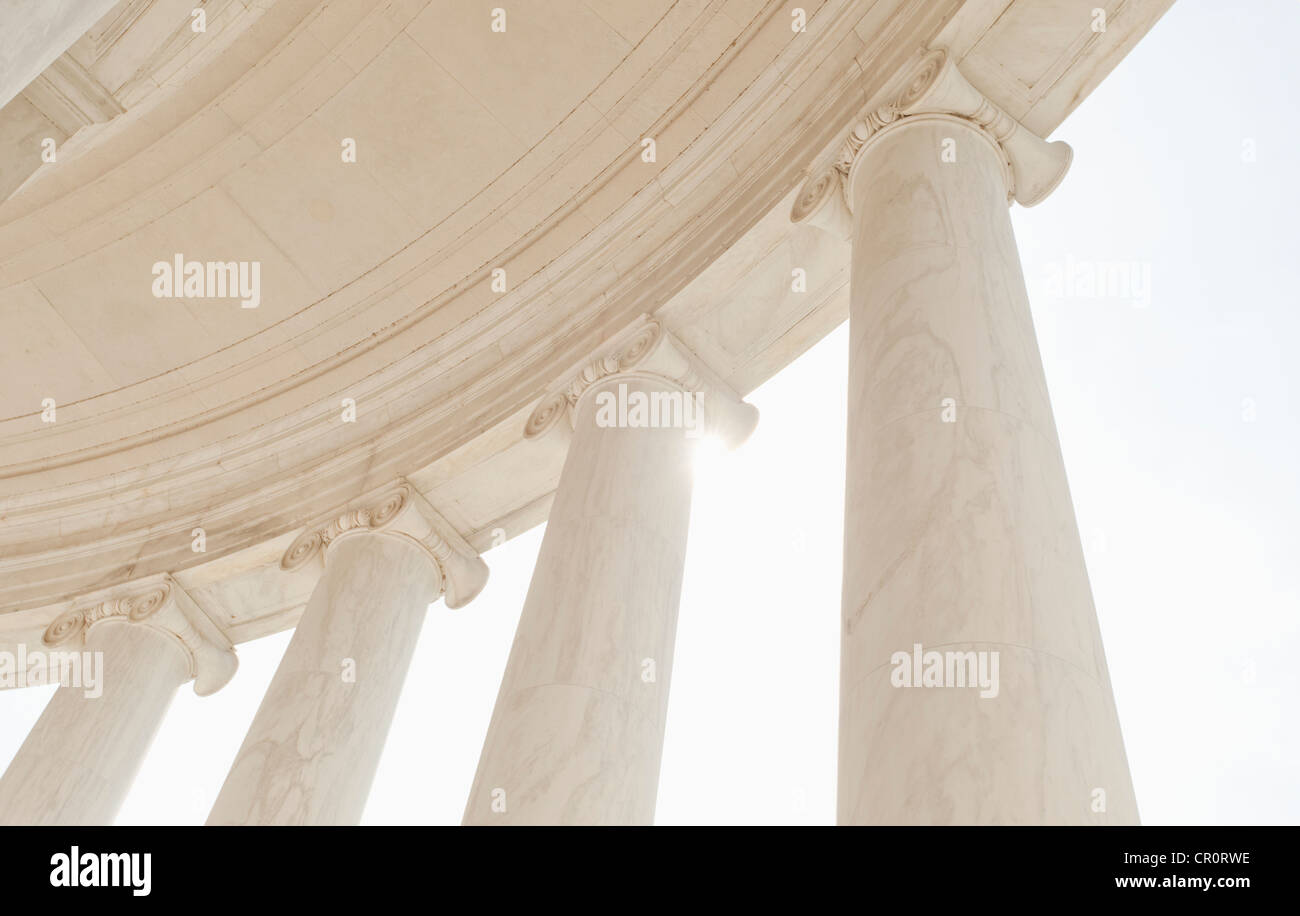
x=81 y=757
x=959 y=530
x=577 y=732
x=312 y=750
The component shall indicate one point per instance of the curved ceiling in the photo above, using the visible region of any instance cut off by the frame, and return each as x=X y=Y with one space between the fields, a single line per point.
x=476 y=150
x=467 y=141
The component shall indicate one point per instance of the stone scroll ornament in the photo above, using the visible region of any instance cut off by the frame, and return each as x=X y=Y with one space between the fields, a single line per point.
x=161 y=604
x=400 y=510
x=934 y=88
x=648 y=349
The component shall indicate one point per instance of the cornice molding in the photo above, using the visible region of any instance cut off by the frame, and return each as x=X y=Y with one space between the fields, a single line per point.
x=71 y=97
x=648 y=349
x=161 y=604
x=400 y=510
x=1033 y=167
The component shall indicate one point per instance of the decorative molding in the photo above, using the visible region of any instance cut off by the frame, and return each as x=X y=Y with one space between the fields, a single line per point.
x=161 y=604
x=315 y=540
x=934 y=87
x=71 y=97
x=648 y=349
x=399 y=509
x=113 y=27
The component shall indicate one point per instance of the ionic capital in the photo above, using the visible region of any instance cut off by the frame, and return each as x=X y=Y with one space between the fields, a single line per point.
x=398 y=510
x=648 y=350
x=158 y=603
x=935 y=88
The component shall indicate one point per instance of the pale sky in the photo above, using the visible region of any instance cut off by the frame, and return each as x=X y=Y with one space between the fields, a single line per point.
x=1178 y=421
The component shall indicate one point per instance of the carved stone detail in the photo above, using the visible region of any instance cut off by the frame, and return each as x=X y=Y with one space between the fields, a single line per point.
x=935 y=87
x=314 y=540
x=161 y=604
x=648 y=348
x=71 y=97
x=399 y=509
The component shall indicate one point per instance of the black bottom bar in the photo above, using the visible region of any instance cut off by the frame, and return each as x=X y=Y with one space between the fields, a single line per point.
x=613 y=869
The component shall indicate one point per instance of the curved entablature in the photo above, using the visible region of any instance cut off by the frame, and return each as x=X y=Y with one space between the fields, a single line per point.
x=419 y=301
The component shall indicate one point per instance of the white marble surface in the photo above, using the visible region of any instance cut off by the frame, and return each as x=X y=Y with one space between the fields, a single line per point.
x=960 y=535
x=36 y=32
x=577 y=732
x=310 y=755
x=80 y=758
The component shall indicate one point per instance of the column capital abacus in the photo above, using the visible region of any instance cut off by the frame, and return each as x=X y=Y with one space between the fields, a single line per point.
x=647 y=349
x=398 y=510
x=158 y=603
x=934 y=89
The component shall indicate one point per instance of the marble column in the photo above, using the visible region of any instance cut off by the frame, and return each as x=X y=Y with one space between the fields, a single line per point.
x=311 y=752
x=973 y=685
x=80 y=759
x=577 y=732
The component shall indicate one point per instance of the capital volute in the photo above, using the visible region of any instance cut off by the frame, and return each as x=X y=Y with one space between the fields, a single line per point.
x=647 y=349
x=934 y=88
x=157 y=603
x=397 y=510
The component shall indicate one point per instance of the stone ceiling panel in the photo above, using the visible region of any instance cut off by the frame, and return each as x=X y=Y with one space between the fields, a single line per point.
x=331 y=219
x=548 y=59
x=433 y=147
x=42 y=356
